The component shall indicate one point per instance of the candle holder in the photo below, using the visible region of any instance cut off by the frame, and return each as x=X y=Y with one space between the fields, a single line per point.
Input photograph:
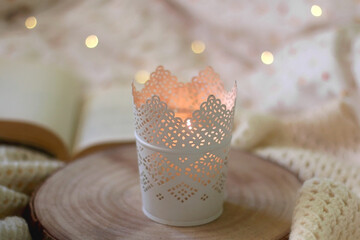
x=183 y=134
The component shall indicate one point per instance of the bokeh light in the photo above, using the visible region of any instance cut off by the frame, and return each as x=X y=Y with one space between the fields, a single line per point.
x=316 y=10
x=267 y=57
x=91 y=41
x=30 y=22
x=142 y=76
x=198 y=46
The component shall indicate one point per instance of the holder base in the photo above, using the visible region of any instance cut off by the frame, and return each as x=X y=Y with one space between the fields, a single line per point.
x=182 y=223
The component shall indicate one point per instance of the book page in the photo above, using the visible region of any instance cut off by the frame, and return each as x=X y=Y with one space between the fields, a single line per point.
x=41 y=95
x=107 y=118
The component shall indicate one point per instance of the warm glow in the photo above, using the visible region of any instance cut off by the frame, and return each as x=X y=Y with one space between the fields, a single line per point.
x=198 y=47
x=142 y=76
x=267 y=57
x=316 y=10
x=91 y=41
x=30 y=22
x=188 y=123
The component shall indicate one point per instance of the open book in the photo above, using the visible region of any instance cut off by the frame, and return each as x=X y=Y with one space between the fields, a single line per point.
x=46 y=108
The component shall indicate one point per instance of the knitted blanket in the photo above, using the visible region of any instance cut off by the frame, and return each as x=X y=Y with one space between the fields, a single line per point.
x=21 y=171
x=322 y=148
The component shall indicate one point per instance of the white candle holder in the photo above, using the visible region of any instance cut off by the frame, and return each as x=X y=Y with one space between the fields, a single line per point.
x=183 y=134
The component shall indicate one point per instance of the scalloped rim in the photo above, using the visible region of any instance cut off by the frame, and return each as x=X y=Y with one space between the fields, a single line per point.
x=192 y=114
x=232 y=91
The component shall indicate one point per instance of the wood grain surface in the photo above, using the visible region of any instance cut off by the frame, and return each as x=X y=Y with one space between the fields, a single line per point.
x=98 y=197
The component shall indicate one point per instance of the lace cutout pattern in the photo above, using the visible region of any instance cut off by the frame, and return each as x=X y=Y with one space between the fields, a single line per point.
x=156 y=120
x=183 y=133
x=163 y=84
x=182 y=192
x=210 y=125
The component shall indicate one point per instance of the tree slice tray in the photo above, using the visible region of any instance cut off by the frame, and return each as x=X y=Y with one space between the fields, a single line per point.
x=98 y=197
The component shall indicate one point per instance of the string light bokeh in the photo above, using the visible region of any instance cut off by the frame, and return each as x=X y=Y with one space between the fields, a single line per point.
x=198 y=46
x=142 y=76
x=316 y=10
x=91 y=41
x=252 y=37
x=267 y=57
x=30 y=22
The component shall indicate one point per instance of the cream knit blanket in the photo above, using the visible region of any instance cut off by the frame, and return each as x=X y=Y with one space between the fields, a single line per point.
x=20 y=172
x=322 y=148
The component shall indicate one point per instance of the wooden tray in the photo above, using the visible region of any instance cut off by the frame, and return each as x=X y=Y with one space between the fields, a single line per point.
x=98 y=197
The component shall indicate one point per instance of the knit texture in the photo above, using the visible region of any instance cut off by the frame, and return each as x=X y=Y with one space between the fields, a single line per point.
x=326 y=210
x=21 y=171
x=25 y=176
x=12 y=153
x=11 y=201
x=321 y=147
x=14 y=228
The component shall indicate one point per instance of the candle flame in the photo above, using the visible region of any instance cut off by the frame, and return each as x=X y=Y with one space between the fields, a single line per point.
x=188 y=123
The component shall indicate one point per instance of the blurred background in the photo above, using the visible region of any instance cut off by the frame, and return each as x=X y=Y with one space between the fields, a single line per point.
x=285 y=54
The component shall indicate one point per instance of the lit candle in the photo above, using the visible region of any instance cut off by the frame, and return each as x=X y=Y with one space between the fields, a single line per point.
x=183 y=135
x=188 y=123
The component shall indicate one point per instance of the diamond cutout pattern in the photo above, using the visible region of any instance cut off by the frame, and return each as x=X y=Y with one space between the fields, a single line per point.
x=145 y=183
x=220 y=183
x=204 y=170
x=182 y=192
x=160 y=168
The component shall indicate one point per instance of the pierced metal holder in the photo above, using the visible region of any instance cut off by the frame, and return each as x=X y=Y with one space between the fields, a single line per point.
x=183 y=134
